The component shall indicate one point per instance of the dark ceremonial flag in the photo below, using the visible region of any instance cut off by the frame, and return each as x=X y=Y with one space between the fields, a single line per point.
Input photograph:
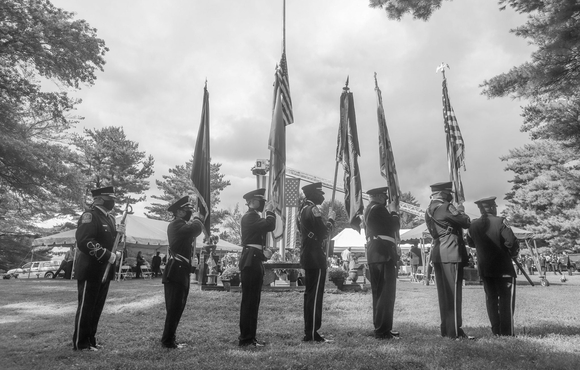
x=347 y=151
x=386 y=156
x=200 y=172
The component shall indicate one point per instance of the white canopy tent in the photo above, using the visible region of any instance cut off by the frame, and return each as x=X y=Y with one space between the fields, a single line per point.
x=142 y=234
x=350 y=238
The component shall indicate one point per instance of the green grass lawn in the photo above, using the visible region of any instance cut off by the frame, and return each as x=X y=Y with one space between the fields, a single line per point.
x=36 y=325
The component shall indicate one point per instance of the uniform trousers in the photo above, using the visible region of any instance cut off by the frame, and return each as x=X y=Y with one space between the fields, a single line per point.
x=383 y=278
x=500 y=300
x=91 y=300
x=252 y=280
x=314 y=280
x=175 y=301
x=449 y=281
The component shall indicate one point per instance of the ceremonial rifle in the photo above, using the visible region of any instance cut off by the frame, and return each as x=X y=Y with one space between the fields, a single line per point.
x=128 y=209
x=523 y=271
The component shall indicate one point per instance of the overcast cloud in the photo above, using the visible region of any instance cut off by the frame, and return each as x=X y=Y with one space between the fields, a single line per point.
x=161 y=53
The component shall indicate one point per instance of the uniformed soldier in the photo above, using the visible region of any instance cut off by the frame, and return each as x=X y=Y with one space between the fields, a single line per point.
x=314 y=230
x=181 y=233
x=449 y=256
x=95 y=236
x=254 y=231
x=496 y=246
x=382 y=224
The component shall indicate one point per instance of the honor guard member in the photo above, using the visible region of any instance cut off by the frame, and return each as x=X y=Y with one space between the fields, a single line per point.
x=496 y=246
x=254 y=230
x=181 y=233
x=314 y=230
x=449 y=256
x=382 y=225
x=95 y=236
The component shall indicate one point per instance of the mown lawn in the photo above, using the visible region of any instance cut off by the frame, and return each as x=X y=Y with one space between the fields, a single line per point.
x=36 y=324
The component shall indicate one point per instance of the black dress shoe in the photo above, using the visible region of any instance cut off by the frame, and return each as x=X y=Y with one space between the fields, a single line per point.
x=395 y=333
x=172 y=345
x=258 y=343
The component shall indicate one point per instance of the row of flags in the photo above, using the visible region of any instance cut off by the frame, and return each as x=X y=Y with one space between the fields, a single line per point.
x=347 y=151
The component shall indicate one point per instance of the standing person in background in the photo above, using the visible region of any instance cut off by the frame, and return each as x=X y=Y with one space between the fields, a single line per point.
x=496 y=246
x=449 y=256
x=254 y=230
x=156 y=264
x=530 y=265
x=346 y=256
x=95 y=235
x=140 y=261
x=313 y=230
x=181 y=232
x=382 y=224
x=415 y=255
x=67 y=264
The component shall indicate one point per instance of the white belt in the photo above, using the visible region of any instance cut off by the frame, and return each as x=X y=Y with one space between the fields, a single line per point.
x=387 y=238
x=257 y=246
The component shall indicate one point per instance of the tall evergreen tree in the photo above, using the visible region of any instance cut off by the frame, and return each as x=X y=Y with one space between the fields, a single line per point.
x=545 y=195
x=108 y=158
x=178 y=184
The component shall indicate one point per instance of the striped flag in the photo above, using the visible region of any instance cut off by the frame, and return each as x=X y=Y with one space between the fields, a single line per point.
x=200 y=172
x=455 y=146
x=386 y=156
x=347 y=151
x=281 y=117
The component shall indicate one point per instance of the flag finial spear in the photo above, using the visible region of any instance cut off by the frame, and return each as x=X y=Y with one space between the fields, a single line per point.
x=346 y=84
x=442 y=67
x=205 y=87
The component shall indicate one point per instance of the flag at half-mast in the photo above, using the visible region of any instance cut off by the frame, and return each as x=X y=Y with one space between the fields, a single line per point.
x=455 y=145
x=386 y=156
x=347 y=151
x=200 y=171
x=282 y=116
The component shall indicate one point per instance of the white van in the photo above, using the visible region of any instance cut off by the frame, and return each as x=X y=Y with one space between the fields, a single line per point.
x=34 y=270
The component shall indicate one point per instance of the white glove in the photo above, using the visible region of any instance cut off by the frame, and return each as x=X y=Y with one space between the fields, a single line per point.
x=269 y=207
x=121 y=229
x=391 y=207
x=331 y=215
x=114 y=257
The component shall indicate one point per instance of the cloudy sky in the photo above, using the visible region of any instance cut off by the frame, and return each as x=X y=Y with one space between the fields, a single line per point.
x=161 y=53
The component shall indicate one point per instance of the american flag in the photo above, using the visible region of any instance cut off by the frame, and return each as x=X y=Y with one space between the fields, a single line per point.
x=281 y=117
x=283 y=89
x=292 y=192
x=455 y=145
x=386 y=156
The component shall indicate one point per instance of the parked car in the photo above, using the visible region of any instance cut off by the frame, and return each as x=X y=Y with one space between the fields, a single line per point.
x=575 y=261
x=34 y=270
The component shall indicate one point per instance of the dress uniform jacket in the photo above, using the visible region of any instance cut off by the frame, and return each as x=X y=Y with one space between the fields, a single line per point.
x=254 y=230
x=496 y=244
x=379 y=221
x=180 y=235
x=445 y=224
x=95 y=235
x=314 y=231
